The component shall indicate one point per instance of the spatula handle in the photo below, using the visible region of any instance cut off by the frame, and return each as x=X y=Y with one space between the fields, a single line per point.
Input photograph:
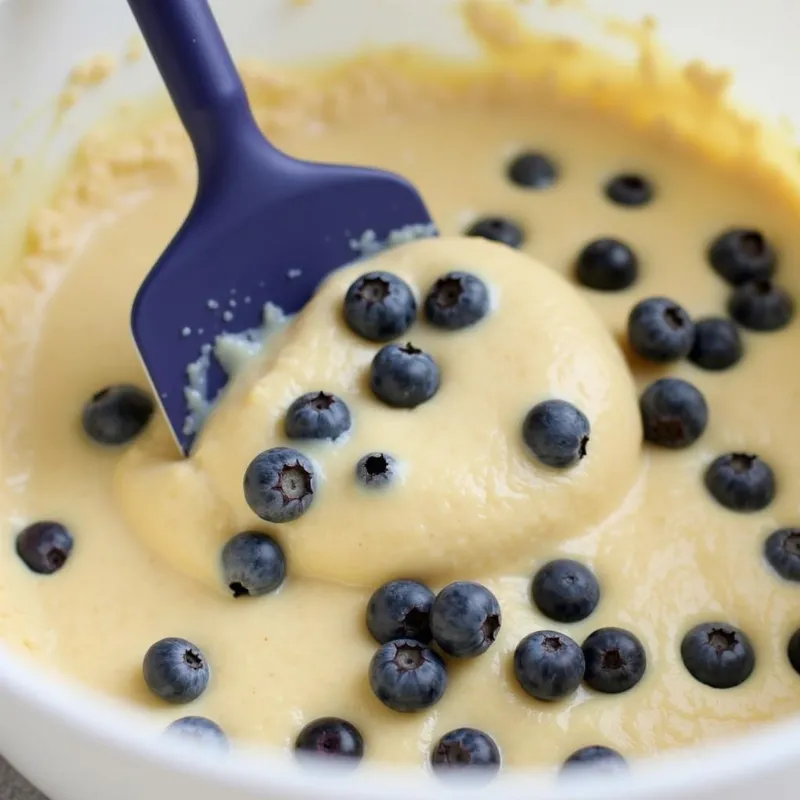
x=197 y=67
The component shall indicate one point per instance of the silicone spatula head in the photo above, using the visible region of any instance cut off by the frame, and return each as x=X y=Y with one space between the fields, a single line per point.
x=264 y=227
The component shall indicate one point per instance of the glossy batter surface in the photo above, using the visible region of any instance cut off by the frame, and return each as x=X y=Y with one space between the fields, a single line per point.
x=148 y=530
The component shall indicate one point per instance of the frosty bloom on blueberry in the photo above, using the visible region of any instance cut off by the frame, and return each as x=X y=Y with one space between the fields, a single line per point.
x=317 y=415
x=407 y=676
x=379 y=306
x=465 y=619
x=253 y=564
x=741 y=482
x=549 y=665
x=400 y=610
x=718 y=655
x=279 y=484
x=403 y=376
x=176 y=670
x=557 y=433
x=457 y=300
x=565 y=590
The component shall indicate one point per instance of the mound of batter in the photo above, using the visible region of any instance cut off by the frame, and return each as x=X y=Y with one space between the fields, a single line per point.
x=470 y=497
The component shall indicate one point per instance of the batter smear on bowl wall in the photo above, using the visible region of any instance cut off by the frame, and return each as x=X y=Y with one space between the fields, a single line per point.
x=516 y=495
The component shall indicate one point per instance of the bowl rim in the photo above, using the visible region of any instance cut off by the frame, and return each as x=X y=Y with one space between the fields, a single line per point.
x=262 y=769
x=266 y=770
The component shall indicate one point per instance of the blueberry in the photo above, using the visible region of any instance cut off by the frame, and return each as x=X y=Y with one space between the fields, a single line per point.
x=607 y=265
x=176 y=670
x=457 y=300
x=465 y=619
x=376 y=470
x=199 y=730
x=400 y=610
x=717 y=344
x=742 y=254
x=379 y=306
x=253 y=564
x=405 y=675
x=465 y=752
x=718 y=655
x=565 y=590
x=317 y=415
x=660 y=330
x=597 y=758
x=44 y=547
x=629 y=189
x=793 y=651
x=615 y=660
x=741 y=482
x=548 y=665
x=532 y=170
x=557 y=433
x=782 y=551
x=403 y=376
x=498 y=229
x=674 y=413
x=117 y=414
x=331 y=738
x=279 y=484
x=761 y=306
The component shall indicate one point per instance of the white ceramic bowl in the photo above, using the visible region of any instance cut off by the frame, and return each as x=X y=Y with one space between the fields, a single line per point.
x=75 y=745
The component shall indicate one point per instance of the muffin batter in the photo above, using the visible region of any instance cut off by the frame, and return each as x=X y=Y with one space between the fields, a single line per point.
x=148 y=529
x=470 y=498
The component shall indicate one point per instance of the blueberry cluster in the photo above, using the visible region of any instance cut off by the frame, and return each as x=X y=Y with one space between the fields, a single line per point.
x=557 y=433
x=418 y=631
x=404 y=617
x=605 y=264
x=407 y=674
x=674 y=412
x=280 y=484
x=743 y=257
x=549 y=665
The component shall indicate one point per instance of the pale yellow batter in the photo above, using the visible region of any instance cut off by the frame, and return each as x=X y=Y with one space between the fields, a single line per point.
x=148 y=529
x=471 y=496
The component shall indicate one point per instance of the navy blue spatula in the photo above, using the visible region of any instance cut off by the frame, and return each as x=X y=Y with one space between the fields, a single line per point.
x=263 y=226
